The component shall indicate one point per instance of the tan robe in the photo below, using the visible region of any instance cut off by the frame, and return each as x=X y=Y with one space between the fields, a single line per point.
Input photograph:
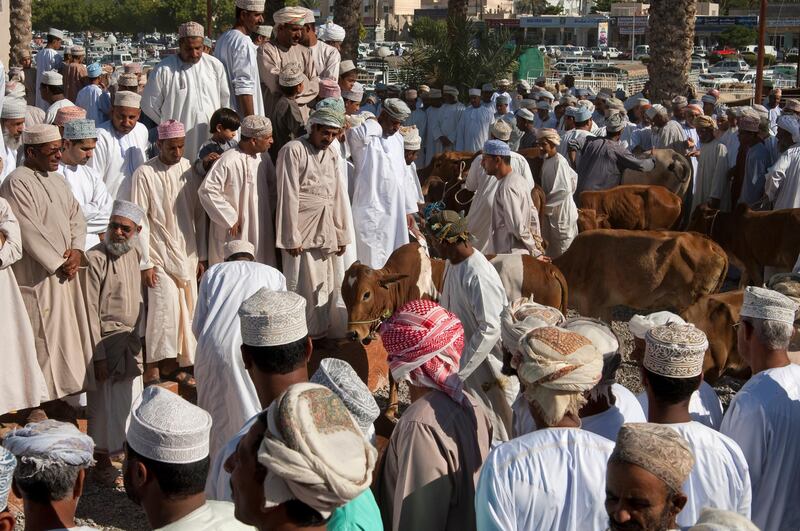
x=51 y=222
x=270 y=58
x=173 y=240
x=240 y=187
x=113 y=290
x=515 y=221
x=311 y=214
x=73 y=79
x=22 y=385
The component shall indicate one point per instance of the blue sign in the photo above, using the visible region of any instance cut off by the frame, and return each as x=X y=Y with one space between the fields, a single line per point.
x=711 y=23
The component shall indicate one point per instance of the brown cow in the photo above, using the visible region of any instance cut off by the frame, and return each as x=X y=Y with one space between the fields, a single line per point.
x=631 y=207
x=644 y=270
x=672 y=170
x=753 y=239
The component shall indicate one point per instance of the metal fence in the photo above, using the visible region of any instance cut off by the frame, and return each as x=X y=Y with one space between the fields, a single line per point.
x=596 y=81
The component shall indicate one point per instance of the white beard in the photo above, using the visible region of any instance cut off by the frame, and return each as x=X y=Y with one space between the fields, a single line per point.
x=11 y=142
x=121 y=248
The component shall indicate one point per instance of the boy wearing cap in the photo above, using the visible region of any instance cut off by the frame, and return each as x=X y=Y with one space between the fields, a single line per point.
x=80 y=138
x=88 y=97
x=288 y=121
x=48 y=59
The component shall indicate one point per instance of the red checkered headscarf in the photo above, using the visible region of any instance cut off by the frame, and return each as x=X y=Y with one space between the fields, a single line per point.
x=424 y=342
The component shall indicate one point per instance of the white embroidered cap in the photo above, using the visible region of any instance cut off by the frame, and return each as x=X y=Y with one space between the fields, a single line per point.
x=271 y=318
x=129 y=210
x=640 y=324
x=126 y=98
x=52 y=77
x=238 y=247
x=675 y=351
x=762 y=303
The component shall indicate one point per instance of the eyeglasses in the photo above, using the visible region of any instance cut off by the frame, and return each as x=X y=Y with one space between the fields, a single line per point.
x=52 y=151
x=112 y=226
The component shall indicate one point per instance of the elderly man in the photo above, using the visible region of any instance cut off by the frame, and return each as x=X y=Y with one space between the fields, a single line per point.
x=237 y=53
x=166 y=464
x=667 y=134
x=236 y=194
x=380 y=203
x=782 y=186
x=13 y=122
x=88 y=98
x=174 y=253
x=559 y=181
x=80 y=139
x=52 y=458
x=474 y=293
x=765 y=413
x=473 y=128
x=424 y=342
x=311 y=221
x=122 y=144
x=52 y=91
x=74 y=72
x=321 y=479
x=223 y=387
x=47 y=60
x=574 y=139
x=752 y=162
x=712 y=163
x=113 y=289
x=521 y=478
x=285 y=48
x=326 y=57
x=604 y=159
x=649 y=465
x=54 y=232
x=515 y=221
x=187 y=86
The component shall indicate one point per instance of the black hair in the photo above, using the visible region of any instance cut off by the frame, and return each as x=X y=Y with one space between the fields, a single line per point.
x=55 y=89
x=289 y=91
x=672 y=390
x=280 y=359
x=505 y=158
x=51 y=39
x=581 y=124
x=176 y=480
x=227 y=118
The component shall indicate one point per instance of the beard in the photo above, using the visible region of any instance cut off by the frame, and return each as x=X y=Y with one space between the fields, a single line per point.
x=12 y=143
x=120 y=248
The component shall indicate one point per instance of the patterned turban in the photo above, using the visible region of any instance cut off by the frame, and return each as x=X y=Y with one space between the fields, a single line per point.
x=424 y=342
x=69 y=114
x=521 y=316
x=290 y=15
x=171 y=129
x=556 y=367
x=449 y=226
x=340 y=377
x=329 y=88
x=658 y=449
x=327 y=116
x=50 y=442
x=396 y=108
x=551 y=135
x=704 y=121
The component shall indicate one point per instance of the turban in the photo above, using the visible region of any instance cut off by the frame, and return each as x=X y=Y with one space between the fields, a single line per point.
x=338 y=376
x=291 y=75
x=791 y=124
x=522 y=316
x=290 y=15
x=238 y=247
x=424 y=342
x=767 y=304
x=792 y=105
x=680 y=101
x=556 y=367
x=7 y=465
x=569 y=101
x=79 y=129
x=501 y=130
x=721 y=520
x=411 y=139
x=704 y=121
x=128 y=210
x=126 y=98
x=660 y=450
x=543 y=105
x=615 y=103
x=449 y=226
x=605 y=341
x=761 y=110
x=69 y=113
x=525 y=114
x=333 y=32
x=313 y=451
x=708 y=98
x=749 y=123
x=453 y=91
x=337 y=104
x=327 y=116
x=496 y=148
x=329 y=88
x=40 y=134
x=655 y=110
x=255 y=126
x=615 y=123
x=526 y=103
x=551 y=135
x=356 y=93
x=50 y=442
x=272 y=318
x=264 y=31
x=251 y=5
x=171 y=129
x=675 y=351
x=94 y=70
x=166 y=428
x=545 y=95
x=503 y=82
x=190 y=29
x=396 y=108
x=588 y=104
x=524 y=84
x=13 y=110
x=501 y=100
x=640 y=324
x=52 y=78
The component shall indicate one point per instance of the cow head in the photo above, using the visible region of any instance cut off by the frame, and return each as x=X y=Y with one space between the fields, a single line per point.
x=589 y=219
x=368 y=299
x=702 y=219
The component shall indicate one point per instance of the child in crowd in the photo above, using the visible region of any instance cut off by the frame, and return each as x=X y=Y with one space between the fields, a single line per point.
x=224 y=125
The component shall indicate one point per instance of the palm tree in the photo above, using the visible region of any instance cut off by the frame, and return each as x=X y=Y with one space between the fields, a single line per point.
x=272 y=7
x=456 y=11
x=670 y=34
x=347 y=14
x=20 y=15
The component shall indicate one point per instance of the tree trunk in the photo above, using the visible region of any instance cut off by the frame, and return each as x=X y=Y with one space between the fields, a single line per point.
x=670 y=34
x=456 y=10
x=347 y=14
x=271 y=8
x=21 y=31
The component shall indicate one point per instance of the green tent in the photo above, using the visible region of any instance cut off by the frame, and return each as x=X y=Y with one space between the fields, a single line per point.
x=531 y=64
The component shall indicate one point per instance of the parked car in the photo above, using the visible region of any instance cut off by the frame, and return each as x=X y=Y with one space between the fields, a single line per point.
x=768 y=50
x=699 y=65
x=730 y=65
x=640 y=52
x=724 y=51
x=700 y=51
x=745 y=77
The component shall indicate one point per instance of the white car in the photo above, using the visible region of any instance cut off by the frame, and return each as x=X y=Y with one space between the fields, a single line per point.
x=730 y=65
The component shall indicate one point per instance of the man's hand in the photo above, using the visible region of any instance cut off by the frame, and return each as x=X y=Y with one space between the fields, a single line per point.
x=149 y=277
x=101 y=370
x=70 y=267
x=295 y=252
x=201 y=268
x=409 y=221
x=341 y=250
x=209 y=159
x=543 y=258
x=234 y=231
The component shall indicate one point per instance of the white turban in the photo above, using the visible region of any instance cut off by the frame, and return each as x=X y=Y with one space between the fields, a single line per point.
x=551 y=135
x=790 y=124
x=641 y=324
x=333 y=32
x=290 y=15
x=396 y=108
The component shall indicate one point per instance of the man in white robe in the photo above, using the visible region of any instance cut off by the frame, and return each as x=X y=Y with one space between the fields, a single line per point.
x=712 y=162
x=580 y=120
x=224 y=388
x=174 y=253
x=13 y=123
x=52 y=91
x=667 y=134
x=53 y=235
x=48 y=59
x=473 y=128
x=236 y=51
x=380 y=202
x=782 y=185
x=474 y=292
x=559 y=182
x=545 y=117
x=326 y=57
x=449 y=117
x=311 y=224
x=671 y=371
x=764 y=416
x=122 y=144
x=80 y=138
x=418 y=118
x=239 y=193
x=433 y=124
x=88 y=97
x=188 y=87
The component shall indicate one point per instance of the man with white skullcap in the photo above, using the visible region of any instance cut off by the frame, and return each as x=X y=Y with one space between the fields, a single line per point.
x=238 y=54
x=712 y=163
x=412 y=145
x=521 y=478
x=261 y=35
x=380 y=202
x=326 y=57
x=671 y=371
x=645 y=475
x=449 y=117
x=352 y=98
x=52 y=91
x=559 y=181
x=312 y=222
x=114 y=308
x=187 y=86
x=122 y=144
x=80 y=139
x=524 y=120
x=580 y=120
x=473 y=128
x=235 y=194
x=48 y=270
x=47 y=60
x=166 y=464
x=174 y=254
x=418 y=118
x=13 y=123
x=704 y=405
x=286 y=47
x=7 y=465
x=52 y=459
x=783 y=179
x=764 y=416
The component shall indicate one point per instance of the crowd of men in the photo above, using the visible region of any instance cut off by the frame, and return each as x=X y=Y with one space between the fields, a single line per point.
x=194 y=223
